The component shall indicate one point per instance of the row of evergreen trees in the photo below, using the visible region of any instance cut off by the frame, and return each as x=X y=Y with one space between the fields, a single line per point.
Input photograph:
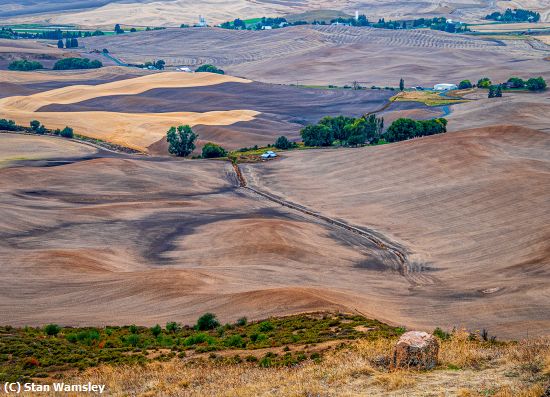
x=69 y=43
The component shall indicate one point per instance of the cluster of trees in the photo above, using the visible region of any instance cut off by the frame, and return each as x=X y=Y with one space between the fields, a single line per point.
x=437 y=23
x=35 y=127
x=24 y=65
x=284 y=143
x=7 y=33
x=515 y=15
x=69 y=43
x=77 y=63
x=273 y=23
x=209 y=68
x=403 y=129
x=360 y=21
x=159 y=64
x=181 y=142
x=532 y=84
x=342 y=130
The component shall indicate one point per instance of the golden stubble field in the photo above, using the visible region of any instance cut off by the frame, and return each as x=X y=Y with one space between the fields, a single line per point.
x=135 y=130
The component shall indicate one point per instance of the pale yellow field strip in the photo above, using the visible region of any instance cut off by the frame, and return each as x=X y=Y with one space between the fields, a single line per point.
x=136 y=130
x=134 y=86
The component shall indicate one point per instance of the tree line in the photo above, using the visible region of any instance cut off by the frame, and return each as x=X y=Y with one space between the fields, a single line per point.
x=515 y=15
x=437 y=23
x=35 y=127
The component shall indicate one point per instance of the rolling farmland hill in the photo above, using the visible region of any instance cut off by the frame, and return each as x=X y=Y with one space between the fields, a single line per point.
x=175 y=12
x=334 y=54
x=470 y=207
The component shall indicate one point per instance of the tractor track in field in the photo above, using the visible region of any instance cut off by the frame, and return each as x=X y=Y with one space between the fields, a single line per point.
x=371 y=235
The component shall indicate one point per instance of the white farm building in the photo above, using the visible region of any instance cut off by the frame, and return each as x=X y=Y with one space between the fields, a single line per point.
x=445 y=87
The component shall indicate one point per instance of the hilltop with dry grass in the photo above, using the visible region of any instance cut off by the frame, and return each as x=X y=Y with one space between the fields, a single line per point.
x=468 y=368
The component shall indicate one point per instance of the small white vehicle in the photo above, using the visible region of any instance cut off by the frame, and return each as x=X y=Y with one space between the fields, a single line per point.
x=269 y=154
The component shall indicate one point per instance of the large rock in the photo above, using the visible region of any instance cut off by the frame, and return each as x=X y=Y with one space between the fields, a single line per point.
x=416 y=349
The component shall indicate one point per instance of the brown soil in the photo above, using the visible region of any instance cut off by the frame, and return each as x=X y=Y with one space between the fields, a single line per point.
x=468 y=206
x=335 y=54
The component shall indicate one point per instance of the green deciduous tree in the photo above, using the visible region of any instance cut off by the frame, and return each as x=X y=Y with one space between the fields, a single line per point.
x=67 y=132
x=156 y=330
x=484 y=82
x=181 y=140
x=536 y=84
x=52 y=329
x=283 y=143
x=207 y=321
x=209 y=68
x=24 y=65
x=465 y=84
x=317 y=135
x=516 y=82
x=337 y=125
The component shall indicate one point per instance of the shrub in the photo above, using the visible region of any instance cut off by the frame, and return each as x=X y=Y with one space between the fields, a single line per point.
x=283 y=143
x=211 y=150
x=209 y=68
x=173 y=327
x=465 y=84
x=66 y=132
x=242 y=321
x=234 y=341
x=484 y=82
x=536 y=84
x=207 y=321
x=37 y=127
x=30 y=362
x=132 y=340
x=76 y=63
x=24 y=65
x=181 y=140
x=441 y=334
x=156 y=330
x=266 y=326
x=198 y=339
x=52 y=329
x=133 y=329
x=516 y=82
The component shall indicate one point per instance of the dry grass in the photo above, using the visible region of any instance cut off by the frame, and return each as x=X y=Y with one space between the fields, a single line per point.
x=426 y=97
x=488 y=369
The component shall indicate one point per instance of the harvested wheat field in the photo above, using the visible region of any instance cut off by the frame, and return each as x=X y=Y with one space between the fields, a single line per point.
x=137 y=111
x=175 y=12
x=121 y=241
x=334 y=54
x=280 y=110
x=470 y=210
x=522 y=109
x=133 y=130
x=11 y=50
x=18 y=148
